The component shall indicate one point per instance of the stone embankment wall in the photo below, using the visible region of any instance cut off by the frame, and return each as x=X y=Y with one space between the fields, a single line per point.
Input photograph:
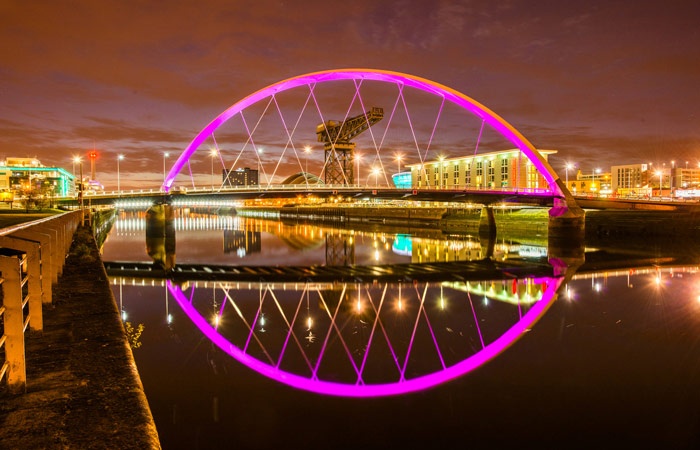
x=379 y=214
x=510 y=222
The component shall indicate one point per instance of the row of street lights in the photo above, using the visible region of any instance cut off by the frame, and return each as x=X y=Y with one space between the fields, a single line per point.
x=214 y=153
x=120 y=157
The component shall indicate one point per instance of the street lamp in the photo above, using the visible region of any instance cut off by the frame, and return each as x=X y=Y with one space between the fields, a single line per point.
x=399 y=157
x=660 y=174
x=440 y=159
x=358 y=157
x=213 y=153
x=76 y=159
x=673 y=169
x=597 y=172
x=307 y=150
x=165 y=156
x=79 y=160
x=375 y=172
x=119 y=188
x=260 y=152
x=568 y=167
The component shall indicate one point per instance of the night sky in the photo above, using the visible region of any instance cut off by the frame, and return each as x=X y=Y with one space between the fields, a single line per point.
x=602 y=82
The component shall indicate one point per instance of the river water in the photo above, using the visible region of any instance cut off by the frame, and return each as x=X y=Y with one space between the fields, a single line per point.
x=600 y=350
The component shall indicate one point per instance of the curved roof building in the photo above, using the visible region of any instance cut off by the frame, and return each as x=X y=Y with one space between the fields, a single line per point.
x=301 y=177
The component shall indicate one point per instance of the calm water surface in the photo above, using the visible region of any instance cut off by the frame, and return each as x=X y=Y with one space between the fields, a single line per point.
x=607 y=357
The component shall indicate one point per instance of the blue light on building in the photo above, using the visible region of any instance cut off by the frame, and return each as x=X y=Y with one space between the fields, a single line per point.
x=403 y=245
x=402 y=180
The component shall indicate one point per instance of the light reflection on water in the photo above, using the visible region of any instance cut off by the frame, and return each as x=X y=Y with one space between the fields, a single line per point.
x=613 y=355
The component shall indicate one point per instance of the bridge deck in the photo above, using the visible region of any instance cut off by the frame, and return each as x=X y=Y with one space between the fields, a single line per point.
x=531 y=197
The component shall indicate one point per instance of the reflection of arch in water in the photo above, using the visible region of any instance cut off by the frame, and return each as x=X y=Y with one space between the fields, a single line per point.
x=275 y=369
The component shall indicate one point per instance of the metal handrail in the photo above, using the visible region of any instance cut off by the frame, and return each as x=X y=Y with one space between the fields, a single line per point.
x=23 y=297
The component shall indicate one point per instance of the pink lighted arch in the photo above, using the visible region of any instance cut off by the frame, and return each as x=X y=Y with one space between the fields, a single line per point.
x=467 y=103
x=316 y=385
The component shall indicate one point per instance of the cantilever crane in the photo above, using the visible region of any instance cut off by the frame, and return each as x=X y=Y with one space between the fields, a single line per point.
x=339 y=152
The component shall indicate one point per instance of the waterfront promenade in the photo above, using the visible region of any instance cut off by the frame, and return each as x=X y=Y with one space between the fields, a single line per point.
x=83 y=389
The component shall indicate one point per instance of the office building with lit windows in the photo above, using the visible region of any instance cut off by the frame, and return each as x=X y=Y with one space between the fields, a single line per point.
x=240 y=177
x=493 y=170
x=20 y=175
x=632 y=180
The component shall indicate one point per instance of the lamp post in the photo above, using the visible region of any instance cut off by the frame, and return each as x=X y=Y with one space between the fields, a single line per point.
x=165 y=156
x=76 y=159
x=213 y=153
x=260 y=152
x=80 y=193
x=660 y=174
x=375 y=172
x=358 y=157
x=597 y=172
x=307 y=150
x=568 y=167
x=673 y=169
x=440 y=159
x=399 y=157
x=119 y=188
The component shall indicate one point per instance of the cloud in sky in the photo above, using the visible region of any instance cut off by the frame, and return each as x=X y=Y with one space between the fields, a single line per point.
x=601 y=82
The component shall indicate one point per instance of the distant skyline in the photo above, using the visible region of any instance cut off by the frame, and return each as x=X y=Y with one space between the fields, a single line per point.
x=601 y=82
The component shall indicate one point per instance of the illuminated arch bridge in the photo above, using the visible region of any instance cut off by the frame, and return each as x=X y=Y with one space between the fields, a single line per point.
x=357 y=127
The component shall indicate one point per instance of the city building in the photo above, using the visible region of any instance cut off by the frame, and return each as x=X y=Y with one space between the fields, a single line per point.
x=638 y=180
x=493 y=170
x=402 y=180
x=241 y=177
x=631 y=180
x=595 y=183
x=685 y=182
x=23 y=175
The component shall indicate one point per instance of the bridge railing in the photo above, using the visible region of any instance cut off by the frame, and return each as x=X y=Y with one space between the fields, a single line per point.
x=310 y=187
x=32 y=256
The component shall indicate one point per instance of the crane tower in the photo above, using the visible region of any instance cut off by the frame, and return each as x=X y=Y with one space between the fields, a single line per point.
x=339 y=151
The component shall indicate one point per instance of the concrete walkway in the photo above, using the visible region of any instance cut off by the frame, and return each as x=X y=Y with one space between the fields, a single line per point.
x=83 y=389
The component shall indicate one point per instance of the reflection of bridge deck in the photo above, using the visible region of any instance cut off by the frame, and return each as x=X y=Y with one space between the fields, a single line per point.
x=446 y=271
x=594 y=262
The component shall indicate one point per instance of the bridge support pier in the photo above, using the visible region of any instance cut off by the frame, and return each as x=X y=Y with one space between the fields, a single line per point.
x=567 y=220
x=160 y=235
x=487 y=231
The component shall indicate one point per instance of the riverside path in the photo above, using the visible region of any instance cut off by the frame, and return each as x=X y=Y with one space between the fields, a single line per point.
x=83 y=390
